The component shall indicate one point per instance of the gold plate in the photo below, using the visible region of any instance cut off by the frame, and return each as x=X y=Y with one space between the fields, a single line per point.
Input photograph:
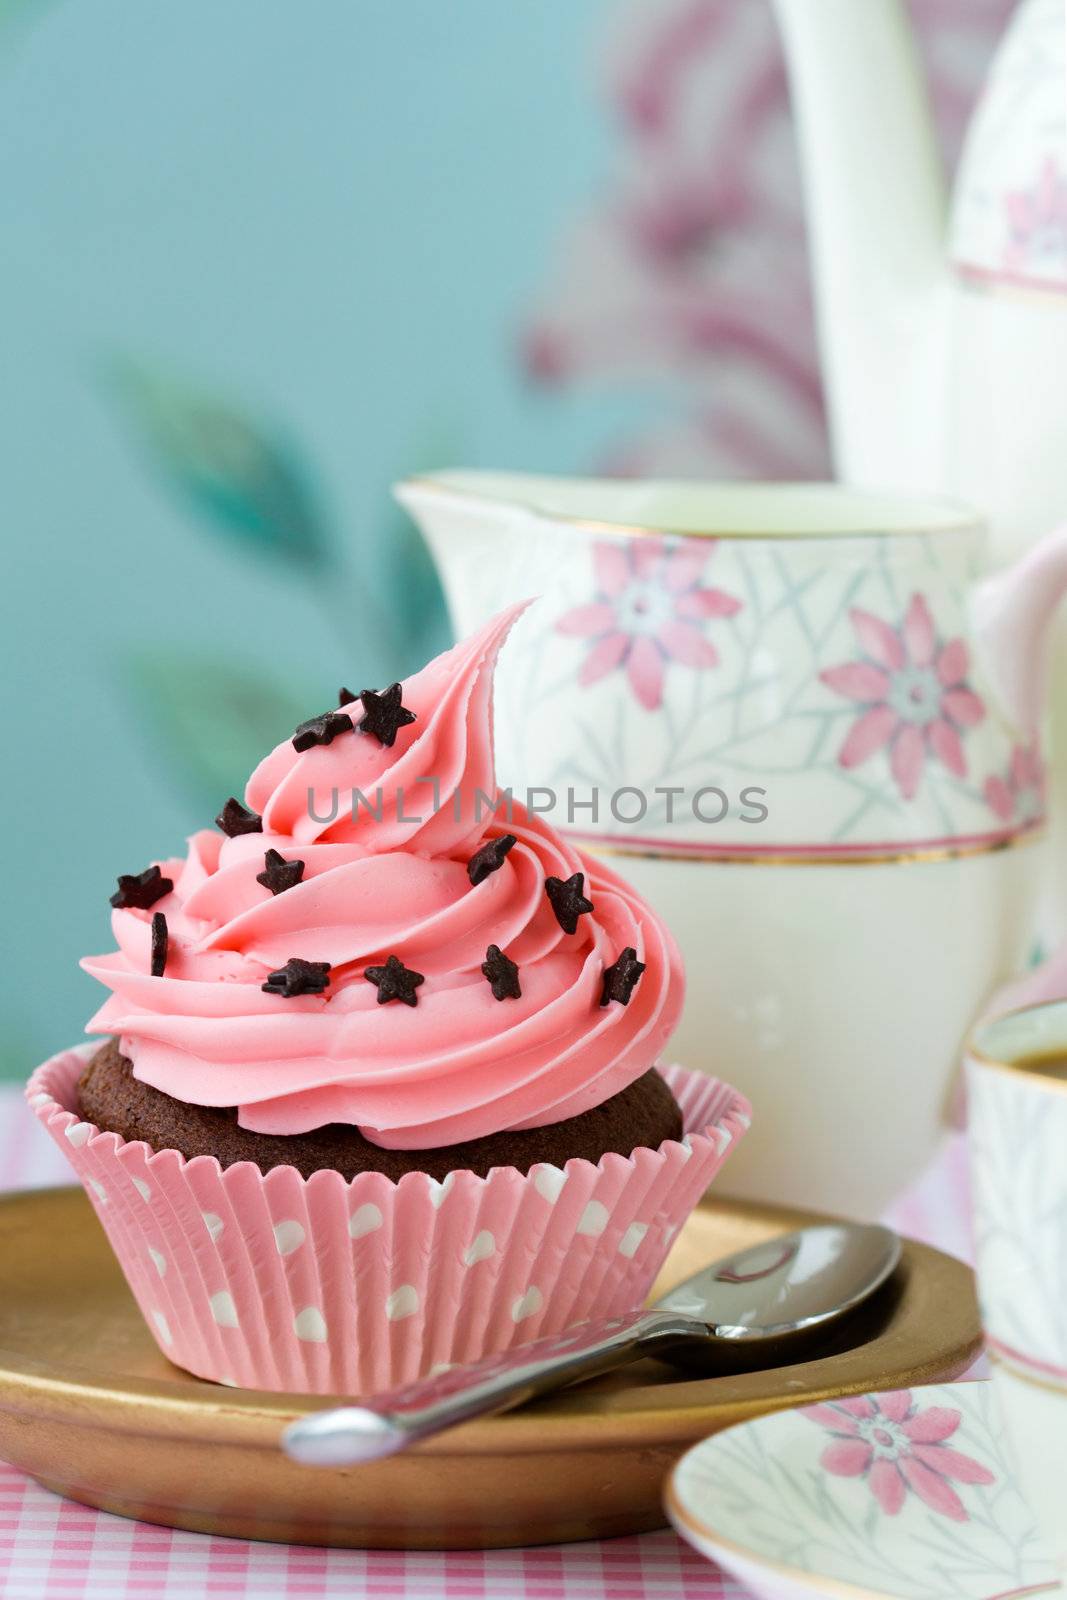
x=90 y=1408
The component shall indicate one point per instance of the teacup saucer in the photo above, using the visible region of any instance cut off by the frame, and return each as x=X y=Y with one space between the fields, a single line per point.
x=910 y=1494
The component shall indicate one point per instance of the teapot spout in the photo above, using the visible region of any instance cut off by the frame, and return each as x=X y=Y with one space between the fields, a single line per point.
x=1013 y=614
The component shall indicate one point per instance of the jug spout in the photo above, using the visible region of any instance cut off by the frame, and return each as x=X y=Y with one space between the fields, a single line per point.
x=1013 y=614
x=444 y=503
x=469 y=521
x=876 y=203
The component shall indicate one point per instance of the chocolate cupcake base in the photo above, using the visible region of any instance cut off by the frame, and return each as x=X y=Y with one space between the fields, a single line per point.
x=643 y=1115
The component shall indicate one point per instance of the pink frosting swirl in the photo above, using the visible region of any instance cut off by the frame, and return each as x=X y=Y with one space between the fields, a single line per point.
x=389 y=876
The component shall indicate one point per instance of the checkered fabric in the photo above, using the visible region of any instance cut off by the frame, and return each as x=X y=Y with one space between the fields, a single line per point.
x=52 y=1549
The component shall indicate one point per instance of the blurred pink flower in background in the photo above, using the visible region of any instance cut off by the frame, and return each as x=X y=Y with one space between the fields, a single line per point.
x=649 y=610
x=688 y=278
x=1038 y=219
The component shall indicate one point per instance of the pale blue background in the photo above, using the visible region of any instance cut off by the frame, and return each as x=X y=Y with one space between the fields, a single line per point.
x=257 y=259
x=329 y=215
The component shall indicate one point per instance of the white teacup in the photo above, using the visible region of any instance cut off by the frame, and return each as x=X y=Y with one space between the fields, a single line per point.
x=1018 y=1127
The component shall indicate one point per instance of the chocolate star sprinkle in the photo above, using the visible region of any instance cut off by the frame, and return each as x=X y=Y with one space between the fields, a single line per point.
x=385 y=715
x=298 y=977
x=279 y=874
x=345 y=697
x=235 y=819
x=159 y=944
x=140 y=890
x=568 y=901
x=321 y=730
x=620 y=980
x=489 y=856
x=395 y=981
x=502 y=973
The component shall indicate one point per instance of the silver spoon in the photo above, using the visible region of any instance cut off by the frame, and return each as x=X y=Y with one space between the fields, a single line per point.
x=763 y=1301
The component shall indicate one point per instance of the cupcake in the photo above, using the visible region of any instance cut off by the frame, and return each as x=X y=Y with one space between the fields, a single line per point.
x=381 y=1088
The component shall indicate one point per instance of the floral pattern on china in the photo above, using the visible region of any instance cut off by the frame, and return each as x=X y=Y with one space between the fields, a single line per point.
x=840 y=683
x=899 y=1448
x=650 y=609
x=912 y=1493
x=1009 y=223
x=1021 y=1247
x=911 y=693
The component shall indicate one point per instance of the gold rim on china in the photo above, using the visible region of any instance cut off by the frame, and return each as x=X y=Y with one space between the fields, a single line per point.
x=816 y=858
x=1021 y=1069
x=967 y=521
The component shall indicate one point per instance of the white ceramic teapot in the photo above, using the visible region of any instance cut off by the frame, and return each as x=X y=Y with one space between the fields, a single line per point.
x=808 y=733
x=943 y=328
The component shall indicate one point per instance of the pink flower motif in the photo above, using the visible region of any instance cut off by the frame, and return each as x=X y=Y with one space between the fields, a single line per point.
x=1037 y=224
x=896 y=1447
x=1019 y=795
x=914 y=694
x=650 y=609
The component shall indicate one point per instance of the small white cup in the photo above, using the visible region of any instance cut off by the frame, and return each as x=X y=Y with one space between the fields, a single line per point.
x=1018 y=1131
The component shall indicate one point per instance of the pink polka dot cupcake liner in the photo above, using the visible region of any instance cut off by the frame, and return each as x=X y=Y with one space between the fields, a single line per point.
x=324 y=1286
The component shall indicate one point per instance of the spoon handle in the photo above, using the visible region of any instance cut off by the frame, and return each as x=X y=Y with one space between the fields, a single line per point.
x=393 y=1421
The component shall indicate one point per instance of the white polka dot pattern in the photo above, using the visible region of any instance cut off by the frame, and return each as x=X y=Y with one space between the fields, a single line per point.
x=480 y=1249
x=594 y=1219
x=310 y=1325
x=288 y=1236
x=403 y=1302
x=549 y=1181
x=632 y=1239
x=365 y=1219
x=527 y=1305
x=223 y=1309
x=274 y=1282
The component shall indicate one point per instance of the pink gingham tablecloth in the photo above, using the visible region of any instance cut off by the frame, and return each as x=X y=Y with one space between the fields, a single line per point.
x=52 y=1549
